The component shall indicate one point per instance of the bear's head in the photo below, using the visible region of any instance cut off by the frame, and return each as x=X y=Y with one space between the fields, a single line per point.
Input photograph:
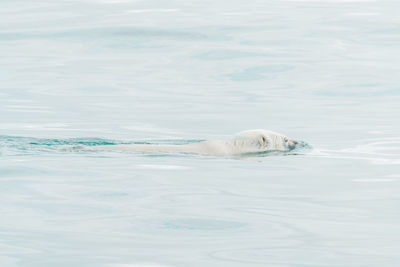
x=263 y=140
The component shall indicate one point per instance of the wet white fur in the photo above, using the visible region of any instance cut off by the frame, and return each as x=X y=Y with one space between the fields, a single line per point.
x=251 y=141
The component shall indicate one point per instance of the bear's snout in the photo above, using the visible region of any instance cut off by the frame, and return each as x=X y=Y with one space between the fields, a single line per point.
x=292 y=144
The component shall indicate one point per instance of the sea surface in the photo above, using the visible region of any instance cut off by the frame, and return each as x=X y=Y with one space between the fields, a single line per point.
x=77 y=74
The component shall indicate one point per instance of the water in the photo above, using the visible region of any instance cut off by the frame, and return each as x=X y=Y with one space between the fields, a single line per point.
x=80 y=73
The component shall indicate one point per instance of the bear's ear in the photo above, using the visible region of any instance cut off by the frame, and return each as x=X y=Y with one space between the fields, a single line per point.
x=262 y=139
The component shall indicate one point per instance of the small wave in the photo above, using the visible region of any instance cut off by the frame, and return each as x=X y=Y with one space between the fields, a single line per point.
x=19 y=145
x=377 y=151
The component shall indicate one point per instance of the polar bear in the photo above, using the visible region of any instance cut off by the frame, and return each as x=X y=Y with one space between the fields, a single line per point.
x=251 y=141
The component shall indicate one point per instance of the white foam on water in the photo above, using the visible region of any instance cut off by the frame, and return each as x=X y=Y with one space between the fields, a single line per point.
x=162 y=167
x=152 y=10
x=383 y=180
x=139 y=265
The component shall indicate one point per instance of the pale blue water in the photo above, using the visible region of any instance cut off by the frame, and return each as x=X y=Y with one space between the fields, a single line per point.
x=75 y=74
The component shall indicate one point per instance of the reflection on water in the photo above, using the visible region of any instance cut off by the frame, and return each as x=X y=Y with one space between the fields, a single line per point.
x=77 y=74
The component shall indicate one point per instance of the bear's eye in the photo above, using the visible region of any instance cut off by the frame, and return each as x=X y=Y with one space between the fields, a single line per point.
x=286 y=140
x=264 y=140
